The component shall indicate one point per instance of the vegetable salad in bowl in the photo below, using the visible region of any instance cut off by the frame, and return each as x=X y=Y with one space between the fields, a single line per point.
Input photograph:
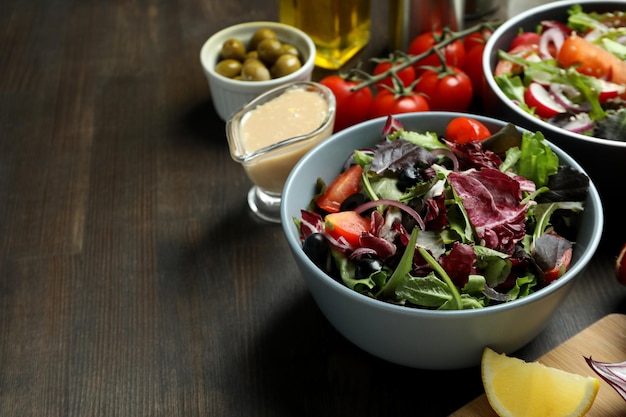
x=466 y=220
x=570 y=73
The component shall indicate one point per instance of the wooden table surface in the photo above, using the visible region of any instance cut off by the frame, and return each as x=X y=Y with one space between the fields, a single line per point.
x=133 y=279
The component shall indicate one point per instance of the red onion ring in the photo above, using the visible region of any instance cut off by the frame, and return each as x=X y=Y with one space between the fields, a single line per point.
x=401 y=206
x=553 y=36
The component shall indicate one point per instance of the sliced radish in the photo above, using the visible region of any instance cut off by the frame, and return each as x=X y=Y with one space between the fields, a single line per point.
x=538 y=97
x=610 y=90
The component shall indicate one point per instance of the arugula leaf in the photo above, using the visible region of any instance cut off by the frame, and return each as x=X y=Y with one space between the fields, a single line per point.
x=523 y=286
x=402 y=270
x=427 y=291
x=614 y=47
x=427 y=140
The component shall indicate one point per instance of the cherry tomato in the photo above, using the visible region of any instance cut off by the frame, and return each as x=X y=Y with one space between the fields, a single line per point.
x=525 y=39
x=352 y=106
x=454 y=53
x=476 y=39
x=405 y=75
x=342 y=187
x=473 y=67
x=464 y=130
x=347 y=224
x=450 y=90
x=387 y=102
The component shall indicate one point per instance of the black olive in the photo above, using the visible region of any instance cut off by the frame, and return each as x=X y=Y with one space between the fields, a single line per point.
x=366 y=267
x=316 y=248
x=353 y=201
x=408 y=177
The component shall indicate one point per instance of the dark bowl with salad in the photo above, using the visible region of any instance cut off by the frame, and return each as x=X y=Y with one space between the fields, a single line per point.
x=425 y=237
x=561 y=68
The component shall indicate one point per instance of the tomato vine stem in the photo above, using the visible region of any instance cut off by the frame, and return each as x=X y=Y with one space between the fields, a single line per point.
x=448 y=37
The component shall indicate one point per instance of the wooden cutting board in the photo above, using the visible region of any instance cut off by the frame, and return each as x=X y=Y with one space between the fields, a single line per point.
x=604 y=341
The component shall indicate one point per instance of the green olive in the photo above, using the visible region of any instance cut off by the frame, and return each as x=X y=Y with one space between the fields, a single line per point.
x=290 y=49
x=259 y=35
x=284 y=65
x=233 y=49
x=269 y=50
x=228 y=68
x=254 y=70
x=253 y=54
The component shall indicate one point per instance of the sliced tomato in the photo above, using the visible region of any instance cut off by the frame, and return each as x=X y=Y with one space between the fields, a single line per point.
x=464 y=130
x=560 y=268
x=591 y=59
x=524 y=51
x=342 y=187
x=347 y=224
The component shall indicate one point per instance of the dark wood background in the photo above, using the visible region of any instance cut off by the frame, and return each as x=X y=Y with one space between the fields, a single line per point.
x=133 y=279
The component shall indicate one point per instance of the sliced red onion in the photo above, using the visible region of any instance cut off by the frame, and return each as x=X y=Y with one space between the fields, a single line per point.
x=553 y=36
x=556 y=24
x=371 y=204
x=613 y=373
x=562 y=94
x=350 y=159
x=392 y=125
x=448 y=154
x=574 y=123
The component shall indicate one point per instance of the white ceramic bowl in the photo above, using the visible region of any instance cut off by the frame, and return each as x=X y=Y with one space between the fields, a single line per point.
x=419 y=338
x=229 y=95
x=601 y=158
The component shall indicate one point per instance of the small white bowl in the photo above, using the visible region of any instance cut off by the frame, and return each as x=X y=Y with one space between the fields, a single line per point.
x=228 y=94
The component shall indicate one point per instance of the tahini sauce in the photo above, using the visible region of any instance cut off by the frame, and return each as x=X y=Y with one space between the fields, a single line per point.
x=294 y=113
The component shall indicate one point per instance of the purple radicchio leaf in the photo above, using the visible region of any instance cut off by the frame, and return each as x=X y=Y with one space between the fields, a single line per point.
x=492 y=201
x=459 y=263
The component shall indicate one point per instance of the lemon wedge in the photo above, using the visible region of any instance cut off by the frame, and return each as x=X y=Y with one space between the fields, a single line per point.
x=516 y=388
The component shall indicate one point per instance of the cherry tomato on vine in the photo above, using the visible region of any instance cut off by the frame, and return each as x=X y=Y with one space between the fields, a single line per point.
x=387 y=102
x=473 y=67
x=352 y=106
x=478 y=38
x=465 y=129
x=405 y=75
x=448 y=89
x=454 y=53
